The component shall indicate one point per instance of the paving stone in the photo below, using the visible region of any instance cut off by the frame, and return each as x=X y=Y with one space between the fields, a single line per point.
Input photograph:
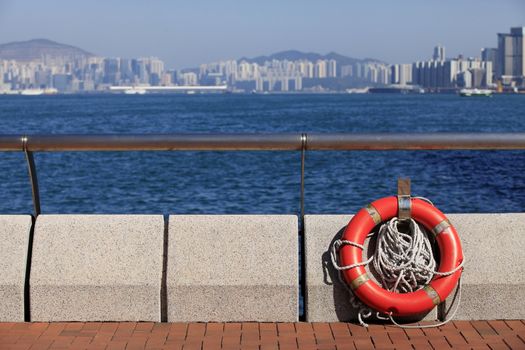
x=374 y=337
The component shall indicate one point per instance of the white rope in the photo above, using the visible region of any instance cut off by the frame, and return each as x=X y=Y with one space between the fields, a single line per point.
x=457 y=296
x=404 y=262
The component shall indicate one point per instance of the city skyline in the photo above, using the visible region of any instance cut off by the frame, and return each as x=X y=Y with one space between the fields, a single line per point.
x=184 y=34
x=44 y=64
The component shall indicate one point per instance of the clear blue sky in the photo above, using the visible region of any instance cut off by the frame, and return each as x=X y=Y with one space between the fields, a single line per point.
x=187 y=33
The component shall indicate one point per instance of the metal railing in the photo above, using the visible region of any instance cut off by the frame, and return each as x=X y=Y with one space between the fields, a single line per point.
x=253 y=142
x=261 y=142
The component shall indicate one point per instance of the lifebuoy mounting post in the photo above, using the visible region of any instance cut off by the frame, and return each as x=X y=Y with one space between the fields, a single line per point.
x=403 y=199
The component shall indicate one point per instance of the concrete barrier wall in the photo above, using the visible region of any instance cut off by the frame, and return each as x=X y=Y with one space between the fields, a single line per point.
x=493 y=283
x=233 y=268
x=223 y=267
x=14 y=242
x=97 y=268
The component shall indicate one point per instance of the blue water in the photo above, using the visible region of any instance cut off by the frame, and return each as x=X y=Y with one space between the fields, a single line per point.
x=260 y=182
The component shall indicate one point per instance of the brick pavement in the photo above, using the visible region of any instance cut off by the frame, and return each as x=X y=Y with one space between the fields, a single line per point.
x=188 y=336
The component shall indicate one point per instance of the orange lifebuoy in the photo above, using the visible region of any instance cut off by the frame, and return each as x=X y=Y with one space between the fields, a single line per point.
x=401 y=304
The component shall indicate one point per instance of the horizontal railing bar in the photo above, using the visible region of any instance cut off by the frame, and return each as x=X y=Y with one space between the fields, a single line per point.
x=160 y=142
x=11 y=143
x=263 y=142
x=417 y=141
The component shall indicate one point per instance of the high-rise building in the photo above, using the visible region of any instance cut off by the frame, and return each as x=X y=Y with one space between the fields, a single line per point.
x=490 y=55
x=401 y=74
x=332 y=68
x=347 y=71
x=452 y=73
x=510 y=63
x=320 y=69
x=111 y=70
x=439 y=53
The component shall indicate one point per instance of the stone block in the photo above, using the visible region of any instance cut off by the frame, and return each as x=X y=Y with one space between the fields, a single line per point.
x=493 y=281
x=97 y=268
x=232 y=268
x=14 y=243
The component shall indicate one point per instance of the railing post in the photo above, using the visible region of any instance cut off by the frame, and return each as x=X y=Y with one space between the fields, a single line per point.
x=302 y=246
x=31 y=167
x=304 y=139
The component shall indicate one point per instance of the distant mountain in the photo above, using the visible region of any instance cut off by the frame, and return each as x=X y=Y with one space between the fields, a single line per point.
x=38 y=48
x=294 y=55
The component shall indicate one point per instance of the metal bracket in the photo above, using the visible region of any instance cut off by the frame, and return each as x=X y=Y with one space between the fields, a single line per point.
x=404 y=204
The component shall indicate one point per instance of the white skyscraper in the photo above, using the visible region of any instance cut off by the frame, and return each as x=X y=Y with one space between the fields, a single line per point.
x=320 y=69
x=332 y=68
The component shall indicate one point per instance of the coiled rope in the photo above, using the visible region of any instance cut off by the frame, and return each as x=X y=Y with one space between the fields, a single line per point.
x=404 y=262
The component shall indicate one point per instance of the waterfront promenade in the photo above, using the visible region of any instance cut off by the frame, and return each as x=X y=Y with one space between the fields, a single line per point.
x=509 y=334
x=82 y=268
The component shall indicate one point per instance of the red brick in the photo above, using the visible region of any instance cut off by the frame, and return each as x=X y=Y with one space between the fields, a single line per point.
x=116 y=345
x=6 y=326
x=357 y=330
x=498 y=346
x=439 y=342
x=514 y=342
x=472 y=337
x=268 y=329
x=340 y=331
x=424 y=346
x=42 y=344
x=363 y=343
x=346 y=345
x=214 y=328
x=448 y=327
x=381 y=340
x=178 y=331
x=516 y=325
x=245 y=336
x=92 y=326
x=323 y=333
x=125 y=328
x=136 y=344
x=500 y=327
x=173 y=344
x=285 y=328
x=96 y=346
x=108 y=328
x=232 y=327
x=21 y=326
x=463 y=325
x=144 y=327
x=155 y=343
x=454 y=338
x=54 y=329
x=8 y=339
x=483 y=328
x=196 y=330
x=162 y=329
